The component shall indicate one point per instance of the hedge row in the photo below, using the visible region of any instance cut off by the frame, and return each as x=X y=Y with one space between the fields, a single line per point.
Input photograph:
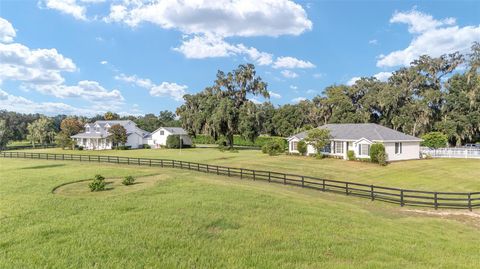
x=240 y=141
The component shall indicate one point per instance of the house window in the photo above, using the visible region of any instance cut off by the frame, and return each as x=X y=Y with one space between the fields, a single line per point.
x=364 y=149
x=338 y=146
x=88 y=129
x=294 y=145
x=162 y=132
x=398 y=148
x=327 y=148
x=97 y=129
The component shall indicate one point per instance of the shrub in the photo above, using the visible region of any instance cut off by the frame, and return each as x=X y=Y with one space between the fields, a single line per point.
x=274 y=147
x=434 y=140
x=128 y=180
x=302 y=147
x=238 y=140
x=146 y=146
x=382 y=158
x=351 y=155
x=378 y=154
x=319 y=156
x=124 y=147
x=174 y=142
x=98 y=183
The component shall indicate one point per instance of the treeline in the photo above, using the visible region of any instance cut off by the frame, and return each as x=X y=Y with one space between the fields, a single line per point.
x=14 y=126
x=432 y=94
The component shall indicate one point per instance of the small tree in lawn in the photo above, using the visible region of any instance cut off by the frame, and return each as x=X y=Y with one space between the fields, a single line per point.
x=119 y=135
x=318 y=138
x=434 y=140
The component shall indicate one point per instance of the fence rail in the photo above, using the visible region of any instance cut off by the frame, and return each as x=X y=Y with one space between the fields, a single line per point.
x=458 y=200
x=452 y=152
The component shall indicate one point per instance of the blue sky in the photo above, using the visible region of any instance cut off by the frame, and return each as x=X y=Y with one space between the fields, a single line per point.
x=90 y=56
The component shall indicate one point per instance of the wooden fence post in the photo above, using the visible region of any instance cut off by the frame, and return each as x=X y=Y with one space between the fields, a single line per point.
x=241 y=173
x=372 y=193
x=323 y=184
x=228 y=171
x=470 y=201
x=435 y=196
x=303 y=182
x=253 y=175
x=284 y=179
x=269 y=177
x=401 y=198
x=346 y=188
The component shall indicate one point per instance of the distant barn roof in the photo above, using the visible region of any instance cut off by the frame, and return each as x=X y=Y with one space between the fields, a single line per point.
x=355 y=131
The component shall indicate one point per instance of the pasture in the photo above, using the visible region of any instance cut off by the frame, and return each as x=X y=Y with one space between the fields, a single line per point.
x=184 y=219
x=449 y=175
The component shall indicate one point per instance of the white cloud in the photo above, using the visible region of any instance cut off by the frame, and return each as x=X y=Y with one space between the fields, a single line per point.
x=432 y=37
x=274 y=95
x=311 y=91
x=298 y=99
x=104 y=62
x=383 y=76
x=173 y=90
x=20 y=104
x=373 y=42
x=170 y=89
x=419 y=22
x=353 y=80
x=223 y=17
x=7 y=32
x=289 y=74
x=293 y=87
x=210 y=46
x=69 y=7
x=318 y=75
x=40 y=70
x=38 y=66
x=291 y=63
x=85 y=89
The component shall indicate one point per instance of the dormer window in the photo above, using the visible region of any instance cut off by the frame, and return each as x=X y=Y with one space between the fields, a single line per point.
x=162 y=132
x=88 y=129
x=97 y=129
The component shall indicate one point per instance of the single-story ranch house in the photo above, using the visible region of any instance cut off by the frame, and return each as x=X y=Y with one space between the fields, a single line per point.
x=359 y=137
x=159 y=137
x=97 y=137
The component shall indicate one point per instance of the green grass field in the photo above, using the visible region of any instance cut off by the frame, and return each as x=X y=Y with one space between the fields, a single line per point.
x=184 y=219
x=454 y=175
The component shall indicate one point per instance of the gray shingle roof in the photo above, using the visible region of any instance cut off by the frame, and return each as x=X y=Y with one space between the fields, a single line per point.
x=370 y=131
x=173 y=130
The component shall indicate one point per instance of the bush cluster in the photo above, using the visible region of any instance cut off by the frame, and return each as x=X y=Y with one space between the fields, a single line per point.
x=274 y=147
x=98 y=183
x=128 y=180
x=378 y=154
x=351 y=155
x=302 y=147
x=238 y=140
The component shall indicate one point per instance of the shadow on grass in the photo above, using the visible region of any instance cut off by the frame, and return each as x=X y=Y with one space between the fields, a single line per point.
x=43 y=166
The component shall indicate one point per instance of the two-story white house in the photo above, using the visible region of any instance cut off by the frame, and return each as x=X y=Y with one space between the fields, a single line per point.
x=359 y=137
x=158 y=138
x=97 y=136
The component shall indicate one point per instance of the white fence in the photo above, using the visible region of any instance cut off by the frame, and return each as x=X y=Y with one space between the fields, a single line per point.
x=451 y=152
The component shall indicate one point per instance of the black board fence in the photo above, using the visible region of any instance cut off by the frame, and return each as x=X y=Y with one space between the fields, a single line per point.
x=457 y=200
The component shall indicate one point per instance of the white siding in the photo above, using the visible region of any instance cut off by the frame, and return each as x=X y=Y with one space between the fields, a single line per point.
x=410 y=151
x=157 y=140
x=134 y=140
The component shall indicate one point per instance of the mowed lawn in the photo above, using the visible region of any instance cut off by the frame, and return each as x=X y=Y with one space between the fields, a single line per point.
x=455 y=175
x=184 y=219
